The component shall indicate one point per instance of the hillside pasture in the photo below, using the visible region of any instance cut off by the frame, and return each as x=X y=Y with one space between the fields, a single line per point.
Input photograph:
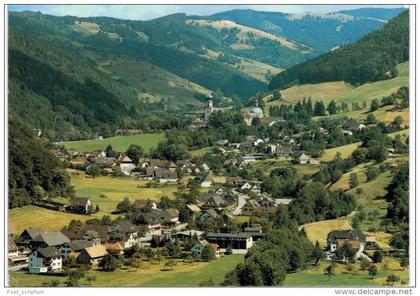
x=318 y=231
x=119 y=143
x=345 y=151
x=345 y=92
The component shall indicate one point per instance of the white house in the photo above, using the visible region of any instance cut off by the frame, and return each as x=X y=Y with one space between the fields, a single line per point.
x=45 y=260
x=206 y=183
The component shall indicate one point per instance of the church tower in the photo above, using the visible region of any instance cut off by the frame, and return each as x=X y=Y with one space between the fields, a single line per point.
x=208 y=108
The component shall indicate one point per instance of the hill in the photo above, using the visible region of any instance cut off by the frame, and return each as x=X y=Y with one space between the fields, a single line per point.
x=341 y=91
x=61 y=93
x=371 y=58
x=319 y=31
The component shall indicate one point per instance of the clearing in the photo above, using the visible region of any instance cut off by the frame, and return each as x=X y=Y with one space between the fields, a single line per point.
x=119 y=143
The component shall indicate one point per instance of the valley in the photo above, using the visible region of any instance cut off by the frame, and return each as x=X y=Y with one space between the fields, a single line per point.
x=240 y=148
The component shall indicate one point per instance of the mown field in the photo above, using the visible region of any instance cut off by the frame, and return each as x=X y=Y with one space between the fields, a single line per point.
x=109 y=191
x=345 y=151
x=104 y=191
x=150 y=275
x=343 y=277
x=119 y=143
x=344 y=92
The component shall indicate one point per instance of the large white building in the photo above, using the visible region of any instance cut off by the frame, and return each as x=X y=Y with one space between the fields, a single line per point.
x=208 y=108
x=254 y=112
x=45 y=260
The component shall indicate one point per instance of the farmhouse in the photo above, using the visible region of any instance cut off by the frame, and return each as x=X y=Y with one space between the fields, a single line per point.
x=45 y=260
x=238 y=242
x=49 y=239
x=81 y=205
x=15 y=257
x=114 y=249
x=337 y=238
x=74 y=247
x=209 y=215
x=141 y=204
x=92 y=255
x=28 y=235
x=92 y=236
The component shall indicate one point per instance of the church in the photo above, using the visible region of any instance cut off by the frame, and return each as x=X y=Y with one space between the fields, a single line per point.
x=254 y=112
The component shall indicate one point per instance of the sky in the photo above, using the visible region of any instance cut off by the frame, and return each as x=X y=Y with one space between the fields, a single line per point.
x=147 y=12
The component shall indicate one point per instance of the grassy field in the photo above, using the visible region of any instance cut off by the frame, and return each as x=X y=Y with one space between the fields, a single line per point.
x=344 y=92
x=119 y=143
x=106 y=192
x=315 y=276
x=32 y=216
x=318 y=231
x=115 y=189
x=345 y=151
x=151 y=81
x=256 y=69
x=343 y=183
x=385 y=114
x=152 y=275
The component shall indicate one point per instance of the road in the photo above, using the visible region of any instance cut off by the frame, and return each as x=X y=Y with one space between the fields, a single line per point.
x=241 y=202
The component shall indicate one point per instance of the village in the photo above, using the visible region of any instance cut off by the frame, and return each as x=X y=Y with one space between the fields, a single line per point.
x=202 y=225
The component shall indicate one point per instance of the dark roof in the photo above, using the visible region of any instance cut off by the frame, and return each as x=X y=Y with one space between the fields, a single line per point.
x=48 y=252
x=79 y=201
x=102 y=230
x=214 y=200
x=125 y=226
x=32 y=232
x=350 y=234
x=228 y=235
x=52 y=238
x=73 y=234
x=172 y=212
x=147 y=218
x=212 y=214
x=79 y=245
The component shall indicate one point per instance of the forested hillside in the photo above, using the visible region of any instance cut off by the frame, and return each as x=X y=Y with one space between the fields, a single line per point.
x=372 y=58
x=34 y=172
x=60 y=93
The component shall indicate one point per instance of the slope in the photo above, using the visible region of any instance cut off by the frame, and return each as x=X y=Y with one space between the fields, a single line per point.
x=371 y=58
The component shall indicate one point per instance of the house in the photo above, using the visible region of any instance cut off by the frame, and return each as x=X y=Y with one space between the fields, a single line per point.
x=92 y=236
x=103 y=231
x=347 y=132
x=246 y=145
x=92 y=255
x=79 y=162
x=193 y=210
x=81 y=205
x=45 y=260
x=221 y=143
x=246 y=186
x=73 y=234
x=28 y=235
x=168 y=177
x=16 y=259
x=114 y=249
x=126 y=164
x=213 y=201
x=282 y=201
x=206 y=182
x=184 y=235
x=152 y=222
x=174 y=215
x=198 y=248
x=125 y=226
x=76 y=247
x=337 y=238
x=49 y=239
x=141 y=204
x=250 y=206
x=283 y=151
x=207 y=216
x=304 y=159
x=126 y=240
x=238 y=242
